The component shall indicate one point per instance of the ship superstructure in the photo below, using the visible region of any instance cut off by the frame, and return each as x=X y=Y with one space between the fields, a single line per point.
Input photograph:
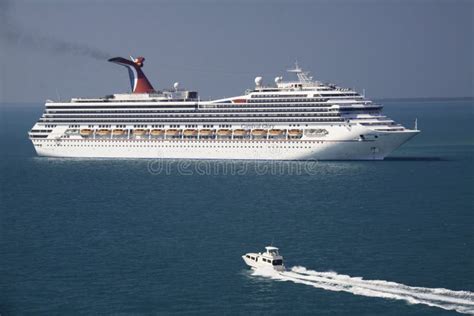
x=290 y=120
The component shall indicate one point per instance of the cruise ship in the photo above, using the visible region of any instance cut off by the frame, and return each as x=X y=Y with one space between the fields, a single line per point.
x=302 y=119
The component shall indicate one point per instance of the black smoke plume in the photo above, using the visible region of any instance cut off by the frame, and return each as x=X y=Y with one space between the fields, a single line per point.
x=13 y=33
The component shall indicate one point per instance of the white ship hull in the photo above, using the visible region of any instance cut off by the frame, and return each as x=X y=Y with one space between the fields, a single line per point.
x=350 y=149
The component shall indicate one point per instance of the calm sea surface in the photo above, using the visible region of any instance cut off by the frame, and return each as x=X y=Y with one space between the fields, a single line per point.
x=134 y=237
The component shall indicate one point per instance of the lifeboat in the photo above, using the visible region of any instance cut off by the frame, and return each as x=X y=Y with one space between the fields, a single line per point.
x=316 y=132
x=103 y=132
x=259 y=132
x=224 y=132
x=241 y=132
x=173 y=132
x=295 y=133
x=275 y=132
x=71 y=132
x=117 y=132
x=206 y=132
x=139 y=132
x=190 y=132
x=86 y=132
x=157 y=132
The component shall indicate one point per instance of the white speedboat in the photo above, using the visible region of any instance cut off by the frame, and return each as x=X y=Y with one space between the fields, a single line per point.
x=269 y=259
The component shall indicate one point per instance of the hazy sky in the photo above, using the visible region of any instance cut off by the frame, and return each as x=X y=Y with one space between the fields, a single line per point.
x=390 y=48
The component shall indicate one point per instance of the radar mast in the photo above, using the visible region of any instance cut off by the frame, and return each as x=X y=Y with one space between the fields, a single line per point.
x=303 y=76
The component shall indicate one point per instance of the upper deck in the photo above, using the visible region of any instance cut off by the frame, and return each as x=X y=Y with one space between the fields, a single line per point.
x=156 y=96
x=302 y=90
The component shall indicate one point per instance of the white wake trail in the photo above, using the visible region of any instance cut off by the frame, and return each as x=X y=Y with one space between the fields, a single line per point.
x=460 y=301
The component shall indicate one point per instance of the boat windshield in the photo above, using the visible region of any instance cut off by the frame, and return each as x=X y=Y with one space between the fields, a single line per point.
x=277 y=262
x=273 y=252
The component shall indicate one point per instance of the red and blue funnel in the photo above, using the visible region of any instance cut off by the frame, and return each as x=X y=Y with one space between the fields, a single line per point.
x=138 y=80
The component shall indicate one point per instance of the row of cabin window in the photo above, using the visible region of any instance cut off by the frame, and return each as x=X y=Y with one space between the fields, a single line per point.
x=230 y=110
x=285 y=100
x=173 y=146
x=218 y=111
x=251 y=103
x=279 y=96
x=261 y=103
x=202 y=116
x=275 y=104
x=190 y=142
x=236 y=121
x=41 y=131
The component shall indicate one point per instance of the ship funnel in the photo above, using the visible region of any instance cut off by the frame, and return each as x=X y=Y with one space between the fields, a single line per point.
x=138 y=81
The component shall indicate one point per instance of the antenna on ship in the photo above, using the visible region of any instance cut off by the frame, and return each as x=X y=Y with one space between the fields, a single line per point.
x=303 y=76
x=58 y=95
x=416 y=123
x=297 y=68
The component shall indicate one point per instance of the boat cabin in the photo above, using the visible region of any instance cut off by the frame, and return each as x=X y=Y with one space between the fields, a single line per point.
x=269 y=258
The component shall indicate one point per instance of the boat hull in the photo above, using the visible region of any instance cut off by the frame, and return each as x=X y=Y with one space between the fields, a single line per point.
x=351 y=149
x=260 y=265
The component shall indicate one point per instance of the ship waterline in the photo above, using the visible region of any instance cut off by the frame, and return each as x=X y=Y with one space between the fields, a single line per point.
x=295 y=120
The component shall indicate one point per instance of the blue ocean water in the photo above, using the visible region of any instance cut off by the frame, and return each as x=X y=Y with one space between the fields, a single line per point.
x=140 y=237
